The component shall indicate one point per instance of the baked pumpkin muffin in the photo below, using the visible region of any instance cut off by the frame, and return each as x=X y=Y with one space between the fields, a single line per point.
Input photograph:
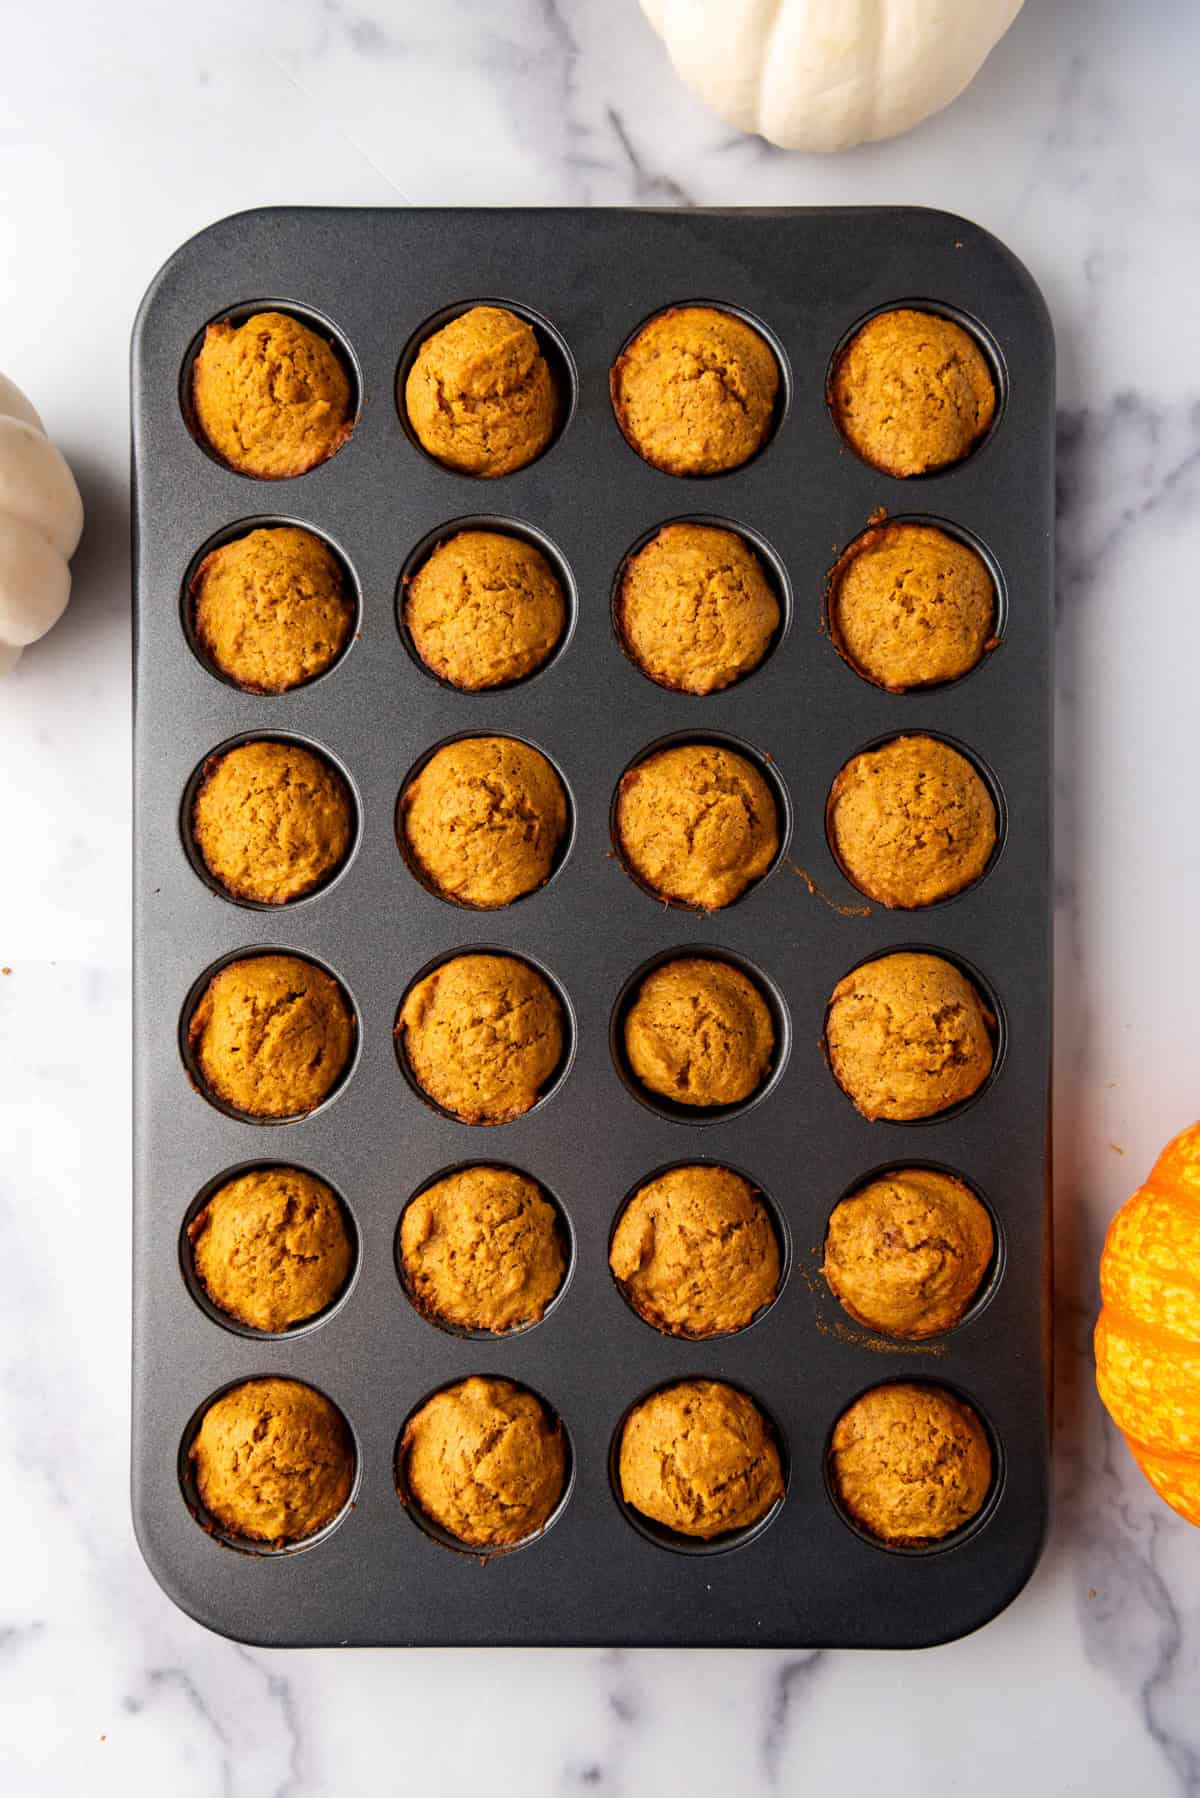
x=911 y=1463
x=912 y=392
x=482 y=1249
x=910 y=606
x=700 y=1459
x=908 y=1036
x=270 y=610
x=699 y=1032
x=271 y=397
x=271 y=1035
x=695 y=391
x=906 y=1254
x=273 y=1461
x=271 y=820
x=482 y=821
x=912 y=822
x=485 y=1461
x=271 y=1247
x=695 y=1252
x=696 y=824
x=484 y=610
x=694 y=608
x=480 y=396
x=483 y=1036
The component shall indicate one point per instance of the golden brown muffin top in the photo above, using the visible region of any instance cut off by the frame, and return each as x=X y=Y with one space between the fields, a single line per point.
x=911 y=822
x=273 y=1461
x=699 y=1032
x=272 y=821
x=271 y=397
x=697 y=824
x=485 y=1461
x=483 y=1035
x=905 y=1254
x=480 y=395
x=484 y=610
x=911 y=1463
x=483 y=820
x=912 y=392
x=908 y=1036
x=482 y=1249
x=694 y=393
x=270 y=610
x=694 y=608
x=700 y=1459
x=271 y=1247
x=272 y=1035
x=695 y=1252
x=910 y=606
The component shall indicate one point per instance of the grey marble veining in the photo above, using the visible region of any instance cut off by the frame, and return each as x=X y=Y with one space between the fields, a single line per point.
x=119 y=135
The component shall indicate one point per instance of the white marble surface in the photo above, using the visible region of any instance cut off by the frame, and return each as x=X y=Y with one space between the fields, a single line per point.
x=125 y=127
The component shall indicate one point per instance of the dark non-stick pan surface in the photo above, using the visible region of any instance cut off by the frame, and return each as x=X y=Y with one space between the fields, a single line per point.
x=587 y=279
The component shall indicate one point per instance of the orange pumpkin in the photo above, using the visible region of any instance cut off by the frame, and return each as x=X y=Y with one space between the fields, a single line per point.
x=1148 y=1333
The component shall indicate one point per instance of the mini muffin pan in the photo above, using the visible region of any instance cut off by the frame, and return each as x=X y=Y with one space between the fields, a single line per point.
x=379 y=281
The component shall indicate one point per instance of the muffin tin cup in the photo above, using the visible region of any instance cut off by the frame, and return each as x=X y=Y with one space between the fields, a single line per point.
x=993 y=1274
x=385 y=278
x=187 y=812
x=232 y=533
x=219 y=1532
x=466 y=1332
x=956 y=1538
x=437 y=1532
x=319 y=324
x=779 y=1224
x=984 y=340
x=677 y=1541
x=681 y=739
x=995 y=793
x=772 y=566
x=199 y=1291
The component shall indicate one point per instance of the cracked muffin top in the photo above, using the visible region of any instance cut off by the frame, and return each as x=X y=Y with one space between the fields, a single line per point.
x=699 y=1032
x=700 y=1459
x=484 y=610
x=911 y=822
x=483 y=1035
x=271 y=1035
x=694 y=608
x=912 y=392
x=271 y=610
x=483 y=820
x=272 y=821
x=906 y=1253
x=695 y=391
x=271 y=397
x=910 y=606
x=273 y=1461
x=911 y=1463
x=908 y=1036
x=695 y=1252
x=271 y=1247
x=485 y=1461
x=697 y=824
x=482 y=1249
x=480 y=396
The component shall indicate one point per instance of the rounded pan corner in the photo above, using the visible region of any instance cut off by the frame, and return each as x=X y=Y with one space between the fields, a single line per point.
x=967 y=232
x=193 y=1605
x=196 y=1602
x=195 y=249
x=993 y=1605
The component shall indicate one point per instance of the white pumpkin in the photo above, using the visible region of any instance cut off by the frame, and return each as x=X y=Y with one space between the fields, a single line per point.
x=827 y=74
x=41 y=521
